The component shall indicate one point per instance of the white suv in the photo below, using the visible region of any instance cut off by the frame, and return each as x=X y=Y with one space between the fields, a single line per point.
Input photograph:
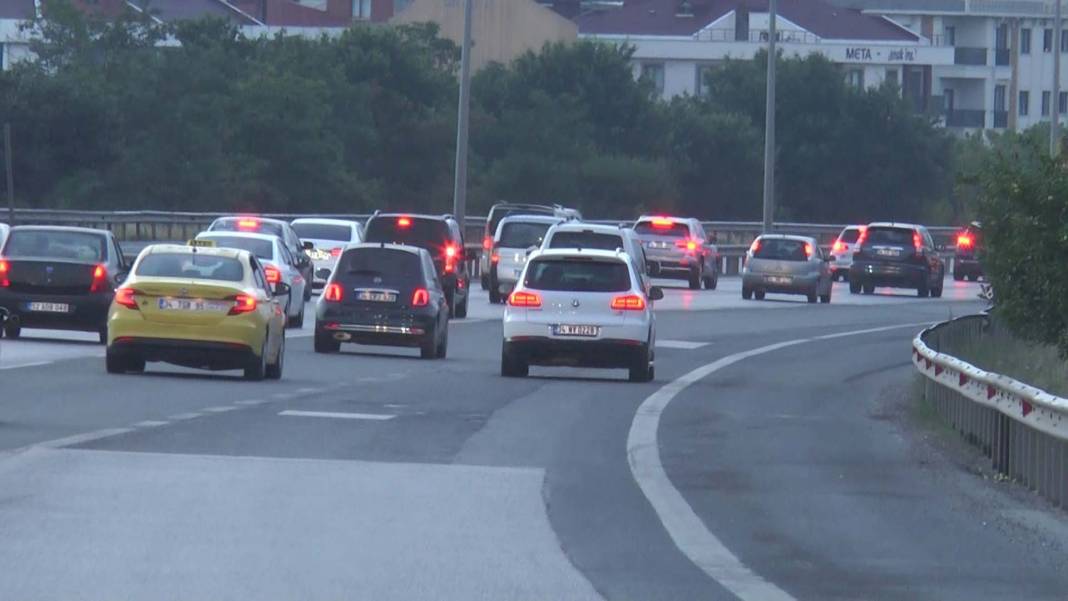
x=580 y=308
x=515 y=239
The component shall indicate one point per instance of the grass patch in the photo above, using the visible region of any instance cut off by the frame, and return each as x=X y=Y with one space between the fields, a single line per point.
x=1036 y=364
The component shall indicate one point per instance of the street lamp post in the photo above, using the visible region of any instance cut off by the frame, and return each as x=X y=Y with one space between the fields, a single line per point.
x=1054 y=122
x=459 y=191
x=769 y=125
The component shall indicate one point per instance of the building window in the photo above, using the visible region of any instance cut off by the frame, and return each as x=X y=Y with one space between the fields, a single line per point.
x=1064 y=40
x=361 y=9
x=1062 y=103
x=1001 y=36
x=1024 y=103
x=654 y=72
x=1045 y=103
x=999 y=98
x=855 y=78
x=891 y=77
x=949 y=34
x=1047 y=40
x=1025 y=41
x=701 y=80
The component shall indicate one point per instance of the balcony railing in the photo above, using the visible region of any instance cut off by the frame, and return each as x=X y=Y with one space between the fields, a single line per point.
x=965 y=118
x=757 y=35
x=1001 y=57
x=969 y=56
x=1001 y=119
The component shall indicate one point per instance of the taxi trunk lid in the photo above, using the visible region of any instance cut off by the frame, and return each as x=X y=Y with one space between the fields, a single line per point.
x=181 y=301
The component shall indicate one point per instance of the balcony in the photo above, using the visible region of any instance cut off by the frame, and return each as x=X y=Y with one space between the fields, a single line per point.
x=1001 y=57
x=966 y=118
x=1001 y=119
x=969 y=56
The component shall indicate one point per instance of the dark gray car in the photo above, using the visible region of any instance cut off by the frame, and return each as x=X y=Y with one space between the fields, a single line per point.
x=788 y=265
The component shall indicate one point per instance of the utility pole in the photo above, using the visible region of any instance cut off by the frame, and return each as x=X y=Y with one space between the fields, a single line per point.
x=769 y=125
x=1054 y=121
x=459 y=191
x=10 y=176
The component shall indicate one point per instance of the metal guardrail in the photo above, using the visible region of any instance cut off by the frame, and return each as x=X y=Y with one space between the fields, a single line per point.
x=1022 y=429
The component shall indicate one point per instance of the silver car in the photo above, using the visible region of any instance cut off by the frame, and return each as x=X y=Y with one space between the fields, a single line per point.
x=847 y=243
x=516 y=237
x=679 y=248
x=328 y=238
x=787 y=265
x=279 y=265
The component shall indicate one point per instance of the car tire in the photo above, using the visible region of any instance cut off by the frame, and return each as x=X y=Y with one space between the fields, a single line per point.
x=869 y=289
x=512 y=366
x=296 y=322
x=274 y=370
x=825 y=298
x=759 y=294
x=102 y=334
x=324 y=343
x=257 y=366
x=12 y=330
x=485 y=282
x=712 y=281
x=443 y=346
x=641 y=370
x=428 y=348
x=854 y=287
x=747 y=293
x=923 y=290
x=812 y=296
x=115 y=363
x=461 y=309
x=494 y=297
x=695 y=279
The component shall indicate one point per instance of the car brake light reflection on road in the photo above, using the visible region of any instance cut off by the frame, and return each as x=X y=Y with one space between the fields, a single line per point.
x=420 y=298
x=100 y=275
x=125 y=297
x=273 y=275
x=332 y=294
x=628 y=302
x=243 y=303
x=5 y=268
x=521 y=298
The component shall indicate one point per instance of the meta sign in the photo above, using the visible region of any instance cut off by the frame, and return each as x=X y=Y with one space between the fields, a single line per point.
x=864 y=54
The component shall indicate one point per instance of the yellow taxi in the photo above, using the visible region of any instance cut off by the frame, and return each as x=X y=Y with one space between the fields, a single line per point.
x=198 y=306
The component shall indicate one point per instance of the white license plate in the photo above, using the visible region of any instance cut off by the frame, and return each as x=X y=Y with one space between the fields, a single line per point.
x=887 y=252
x=572 y=330
x=50 y=307
x=376 y=297
x=779 y=279
x=190 y=304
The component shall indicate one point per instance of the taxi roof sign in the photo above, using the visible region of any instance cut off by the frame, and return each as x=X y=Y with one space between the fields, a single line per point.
x=202 y=243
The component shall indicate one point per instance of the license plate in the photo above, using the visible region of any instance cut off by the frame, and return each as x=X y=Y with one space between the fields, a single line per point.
x=376 y=297
x=190 y=304
x=50 y=307
x=779 y=279
x=887 y=252
x=571 y=330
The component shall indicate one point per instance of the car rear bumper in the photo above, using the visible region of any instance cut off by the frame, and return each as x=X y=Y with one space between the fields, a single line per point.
x=88 y=312
x=967 y=265
x=603 y=352
x=888 y=274
x=410 y=330
x=798 y=284
x=668 y=266
x=188 y=353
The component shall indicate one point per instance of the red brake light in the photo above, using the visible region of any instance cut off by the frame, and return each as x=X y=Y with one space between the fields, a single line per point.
x=487 y=243
x=5 y=267
x=332 y=294
x=838 y=247
x=495 y=257
x=404 y=222
x=689 y=245
x=964 y=241
x=863 y=236
x=662 y=223
x=629 y=302
x=808 y=250
x=450 y=258
x=522 y=298
x=335 y=252
x=450 y=251
x=243 y=303
x=125 y=297
x=100 y=276
x=248 y=224
x=755 y=247
x=420 y=298
x=273 y=275
x=917 y=241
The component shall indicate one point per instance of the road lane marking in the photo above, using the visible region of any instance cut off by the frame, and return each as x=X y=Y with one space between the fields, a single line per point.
x=250 y=402
x=83 y=438
x=150 y=424
x=338 y=415
x=220 y=409
x=680 y=344
x=686 y=529
x=31 y=364
x=184 y=416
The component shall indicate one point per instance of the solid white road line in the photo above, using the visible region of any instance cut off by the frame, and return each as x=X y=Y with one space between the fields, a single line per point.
x=689 y=533
x=31 y=364
x=680 y=344
x=338 y=415
x=150 y=424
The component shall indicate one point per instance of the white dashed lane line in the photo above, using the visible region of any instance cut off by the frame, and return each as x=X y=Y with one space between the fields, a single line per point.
x=687 y=345
x=338 y=415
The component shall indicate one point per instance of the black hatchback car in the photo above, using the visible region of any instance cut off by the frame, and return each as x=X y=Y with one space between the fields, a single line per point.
x=441 y=236
x=966 y=263
x=60 y=278
x=384 y=294
x=897 y=255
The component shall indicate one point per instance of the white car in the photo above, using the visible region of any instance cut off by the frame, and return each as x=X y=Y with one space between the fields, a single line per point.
x=328 y=238
x=516 y=237
x=279 y=265
x=4 y=229
x=580 y=308
x=847 y=243
x=576 y=234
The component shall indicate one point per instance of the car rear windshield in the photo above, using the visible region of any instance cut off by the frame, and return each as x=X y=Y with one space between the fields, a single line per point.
x=323 y=231
x=577 y=276
x=431 y=234
x=781 y=249
x=497 y=214
x=522 y=235
x=849 y=236
x=377 y=267
x=892 y=236
x=592 y=240
x=248 y=225
x=263 y=249
x=675 y=230
x=191 y=265
x=55 y=244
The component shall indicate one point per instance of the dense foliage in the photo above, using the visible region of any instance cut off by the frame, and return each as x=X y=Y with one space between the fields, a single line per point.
x=135 y=114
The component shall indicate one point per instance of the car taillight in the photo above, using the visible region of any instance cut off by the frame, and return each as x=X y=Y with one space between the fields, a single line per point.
x=100 y=277
x=487 y=243
x=420 y=298
x=404 y=222
x=862 y=237
x=243 y=303
x=335 y=252
x=838 y=246
x=808 y=250
x=5 y=268
x=755 y=247
x=964 y=241
x=248 y=224
x=332 y=294
x=450 y=258
x=273 y=275
x=662 y=223
x=522 y=298
x=628 y=302
x=125 y=297
x=689 y=245
x=495 y=257
x=917 y=242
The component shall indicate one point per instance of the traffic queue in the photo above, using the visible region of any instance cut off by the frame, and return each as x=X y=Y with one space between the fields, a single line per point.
x=576 y=293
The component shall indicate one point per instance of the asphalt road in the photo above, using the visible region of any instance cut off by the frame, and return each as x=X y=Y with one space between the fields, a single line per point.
x=791 y=473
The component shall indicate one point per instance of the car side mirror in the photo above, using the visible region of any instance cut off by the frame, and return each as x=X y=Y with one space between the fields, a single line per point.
x=281 y=289
x=656 y=293
x=307 y=245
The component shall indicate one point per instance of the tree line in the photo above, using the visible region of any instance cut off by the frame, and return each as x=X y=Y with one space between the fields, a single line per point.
x=132 y=113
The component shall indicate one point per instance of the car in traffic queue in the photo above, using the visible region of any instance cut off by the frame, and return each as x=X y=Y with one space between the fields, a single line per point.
x=328 y=237
x=4 y=229
x=501 y=210
x=966 y=263
x=842 y=251
x=580 y=308
x=441 y=236
x=786 y=264
x=387 y=295
x=252 y=224
x=60 y=278
x=897 y=255
x=198 y=306
x=516 y=237
x=678 y=247
x=278 y=265
x=579 y=234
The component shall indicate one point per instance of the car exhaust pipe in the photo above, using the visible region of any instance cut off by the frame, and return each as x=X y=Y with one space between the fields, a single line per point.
x=342 y=336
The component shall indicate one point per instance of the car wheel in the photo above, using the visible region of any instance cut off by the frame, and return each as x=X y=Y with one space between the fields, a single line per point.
x=443 y=345
x=298 y=321
x=461 y=309
x=308 y=288
x=959 y=277
x=641 y=370
x=103 y=335
x=869 y=288
x=428 y=348
x=923 y=290
x=325 y=343
x=12 y=329
x=747 y=293
x=512 y=366
x=812 y=296
x=485 y=282
x=759 y=294
x=695 y=280
x=826 y=298
x=973 y=277
x=494 y=297
x=854 y=287
x=274 y=370
x=114 y=363
x=257 y=367
x=713 y=280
